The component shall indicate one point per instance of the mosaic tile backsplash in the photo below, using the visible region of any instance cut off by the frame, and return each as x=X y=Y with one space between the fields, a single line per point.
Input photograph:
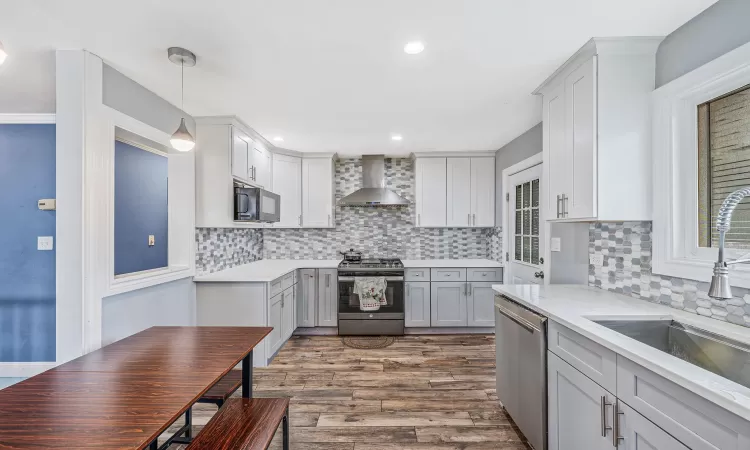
x=627 y=247
x=387 y=232
x=222 y=248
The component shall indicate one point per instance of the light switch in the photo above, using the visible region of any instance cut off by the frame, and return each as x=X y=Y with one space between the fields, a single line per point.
x=151 y=240
x=47 y=204
x=596 y=259
x=44 y=243
x=554 y=244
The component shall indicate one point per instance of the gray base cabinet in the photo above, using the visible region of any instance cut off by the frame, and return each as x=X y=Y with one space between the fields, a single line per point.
x=327 y=298
x=639 y=433
x=448 y=304
x=417 y=304
x=480 y=305
x=579 y=418
x=307 y=298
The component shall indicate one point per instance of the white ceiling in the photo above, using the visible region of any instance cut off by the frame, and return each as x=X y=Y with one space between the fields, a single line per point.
x=331 y=75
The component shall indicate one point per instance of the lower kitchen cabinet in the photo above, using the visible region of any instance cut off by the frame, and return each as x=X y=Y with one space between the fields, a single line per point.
x=639 y=433
x=480 y=305
x=448 y=304
x=307 y=298
x=327 y=297
x=417 y=306
x=275 y=320
x=579 y=410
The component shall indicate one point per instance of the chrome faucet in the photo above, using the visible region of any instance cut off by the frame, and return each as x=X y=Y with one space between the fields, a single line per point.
x=720 y=288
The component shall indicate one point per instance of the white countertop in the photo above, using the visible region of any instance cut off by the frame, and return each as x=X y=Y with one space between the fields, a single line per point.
x=573 y=306
x=265 y=270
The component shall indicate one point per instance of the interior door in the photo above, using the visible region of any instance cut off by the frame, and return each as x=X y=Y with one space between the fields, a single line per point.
x=526 y=226
x=458 y=191
x=482 y=192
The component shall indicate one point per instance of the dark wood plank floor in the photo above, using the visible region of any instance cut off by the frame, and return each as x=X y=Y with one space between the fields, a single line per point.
x=423 y=392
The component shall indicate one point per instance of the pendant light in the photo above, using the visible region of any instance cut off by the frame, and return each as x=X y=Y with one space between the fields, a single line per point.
x=3 y=55
x=182 y=140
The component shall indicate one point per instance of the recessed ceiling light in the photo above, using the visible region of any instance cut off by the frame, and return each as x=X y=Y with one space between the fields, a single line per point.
x=414 y=47
x=397 y=137
x=278 y=139
x=3 y=55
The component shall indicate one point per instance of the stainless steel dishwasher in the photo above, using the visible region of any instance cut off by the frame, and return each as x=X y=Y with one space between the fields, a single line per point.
x=521 y=347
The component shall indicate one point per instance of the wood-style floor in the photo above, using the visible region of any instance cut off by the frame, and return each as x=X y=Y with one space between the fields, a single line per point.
x=422 y=392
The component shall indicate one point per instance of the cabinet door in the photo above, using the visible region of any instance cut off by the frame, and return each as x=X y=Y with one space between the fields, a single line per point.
x=260 y=164
x=580 y=411
x=480 y=306
x=417 y=304
x=307 y=298
x=287 y=312
x=275 y=320
x=639 y=433
x=483 y=192
x=458 y=192
x=430 y=192
x=327 y=298
x=448 y=304
x=581 y=101
x=558 y=165
x=287 y=183
x=240 y=155
x=317 y=192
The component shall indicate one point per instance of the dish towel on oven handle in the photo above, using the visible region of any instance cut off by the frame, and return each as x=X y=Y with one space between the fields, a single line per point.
x=371 y=292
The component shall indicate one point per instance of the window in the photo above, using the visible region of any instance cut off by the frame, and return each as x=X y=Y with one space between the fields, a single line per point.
x=724 y=166
x=527 y=222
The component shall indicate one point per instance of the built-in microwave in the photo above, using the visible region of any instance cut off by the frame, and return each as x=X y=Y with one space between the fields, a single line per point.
x=252 y=204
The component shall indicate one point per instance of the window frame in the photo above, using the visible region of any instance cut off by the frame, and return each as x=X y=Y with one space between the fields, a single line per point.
x=675 y=176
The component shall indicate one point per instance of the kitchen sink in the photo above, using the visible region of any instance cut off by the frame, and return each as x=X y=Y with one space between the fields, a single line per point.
x=718 y=354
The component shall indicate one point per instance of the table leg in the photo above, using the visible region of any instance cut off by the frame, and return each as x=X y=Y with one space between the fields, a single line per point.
x=247 y=375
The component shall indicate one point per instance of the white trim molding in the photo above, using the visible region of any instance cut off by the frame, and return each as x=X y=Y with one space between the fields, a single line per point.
x=24 y=369
x=27 y=118
x=675 y=175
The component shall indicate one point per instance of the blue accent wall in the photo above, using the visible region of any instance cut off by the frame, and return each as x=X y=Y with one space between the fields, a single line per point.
x=140 y=209
x=27 y=275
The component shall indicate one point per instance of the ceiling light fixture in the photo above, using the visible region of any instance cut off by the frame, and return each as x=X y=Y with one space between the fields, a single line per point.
x=3 y=55
x=182 y=140
x=414 y=47
x=278 y=139
x=397 y=137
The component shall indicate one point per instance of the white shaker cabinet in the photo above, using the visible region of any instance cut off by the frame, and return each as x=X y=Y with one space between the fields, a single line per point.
x=430 y=192
x=639 y=433
x=580 y=411
x=482 y=188
x=260 y=165
x=597 y=132
x=317 y=192
x=448 y=304
x=480 y=305
x=307 y=298
x=417 y=307
x=328 y=298
x=287 y=183
x=240 y=155
x=458 y=192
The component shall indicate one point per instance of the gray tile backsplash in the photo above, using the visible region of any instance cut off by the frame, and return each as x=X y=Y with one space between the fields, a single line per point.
x=223 y=248
x=627 y=250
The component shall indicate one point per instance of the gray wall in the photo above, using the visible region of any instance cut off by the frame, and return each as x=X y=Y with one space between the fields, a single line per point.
x=128 y=97
x=571 y=264
x=520 y=148
x=716 y=31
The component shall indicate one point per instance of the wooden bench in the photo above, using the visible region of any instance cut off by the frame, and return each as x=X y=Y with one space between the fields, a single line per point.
x=221 y=391
x=245 y=424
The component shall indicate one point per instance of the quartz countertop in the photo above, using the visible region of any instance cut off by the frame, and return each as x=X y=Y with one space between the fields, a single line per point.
x=576 y=306
x=265 y=270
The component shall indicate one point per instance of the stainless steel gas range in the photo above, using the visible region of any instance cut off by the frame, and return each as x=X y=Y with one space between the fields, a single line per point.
x=389 y=319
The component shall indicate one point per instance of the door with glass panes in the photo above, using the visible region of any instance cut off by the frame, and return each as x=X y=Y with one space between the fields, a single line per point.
x=526 y=227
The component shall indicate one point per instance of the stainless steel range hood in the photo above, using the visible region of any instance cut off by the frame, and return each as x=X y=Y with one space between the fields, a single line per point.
x=373 y=192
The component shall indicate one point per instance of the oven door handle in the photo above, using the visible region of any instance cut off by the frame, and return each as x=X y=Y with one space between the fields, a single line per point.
x=386 y=278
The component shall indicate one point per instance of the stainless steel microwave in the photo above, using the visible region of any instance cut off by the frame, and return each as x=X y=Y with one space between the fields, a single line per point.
x=252 y=204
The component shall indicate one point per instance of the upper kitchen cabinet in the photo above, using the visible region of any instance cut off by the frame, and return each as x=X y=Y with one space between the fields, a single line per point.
x=597 y=132
x=455 y=191
x=287 y=183
x=227 y=151
x=318 y=192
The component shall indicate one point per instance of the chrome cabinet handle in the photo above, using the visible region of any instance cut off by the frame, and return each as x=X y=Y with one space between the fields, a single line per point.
x=558 y=206
x=328 y=280
x=565 y=205
x=469 y=219
x=475 y=219
x=604 y=403
x=299 y=219
x=616 y=413
x=329 y=219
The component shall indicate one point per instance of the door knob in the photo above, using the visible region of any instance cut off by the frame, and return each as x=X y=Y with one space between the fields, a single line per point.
x=539 y=274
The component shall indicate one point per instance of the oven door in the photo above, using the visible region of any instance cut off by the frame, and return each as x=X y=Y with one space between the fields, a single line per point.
x=349 y=301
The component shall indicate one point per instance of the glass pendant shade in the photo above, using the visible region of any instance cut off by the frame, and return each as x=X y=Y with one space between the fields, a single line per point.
x=182 y=140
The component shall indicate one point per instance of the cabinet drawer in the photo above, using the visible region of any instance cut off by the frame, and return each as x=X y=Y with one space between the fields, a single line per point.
x=445 y=274
x=417 y=275
x=696 y=422
x=287 y=281
x=488 y=274
x=275 y=287
x=594 y=360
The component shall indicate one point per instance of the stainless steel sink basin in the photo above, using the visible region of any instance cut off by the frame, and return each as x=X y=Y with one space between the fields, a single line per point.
x=718 y=354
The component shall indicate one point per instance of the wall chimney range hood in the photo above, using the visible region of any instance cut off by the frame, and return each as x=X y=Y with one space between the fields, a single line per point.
x=373 y=192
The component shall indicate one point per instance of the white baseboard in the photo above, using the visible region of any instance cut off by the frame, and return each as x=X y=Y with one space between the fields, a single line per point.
x=450 y=330
x=24 y=369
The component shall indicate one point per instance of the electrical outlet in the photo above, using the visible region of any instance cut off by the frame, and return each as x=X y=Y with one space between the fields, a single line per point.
x=45 y=243
x=554 y=244
x=596 y=259
x=151 y=240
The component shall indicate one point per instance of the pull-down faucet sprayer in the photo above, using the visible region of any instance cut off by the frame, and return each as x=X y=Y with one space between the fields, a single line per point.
x=720 y=288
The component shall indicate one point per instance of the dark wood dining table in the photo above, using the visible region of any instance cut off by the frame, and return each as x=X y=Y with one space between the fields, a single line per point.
x=125 y=395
